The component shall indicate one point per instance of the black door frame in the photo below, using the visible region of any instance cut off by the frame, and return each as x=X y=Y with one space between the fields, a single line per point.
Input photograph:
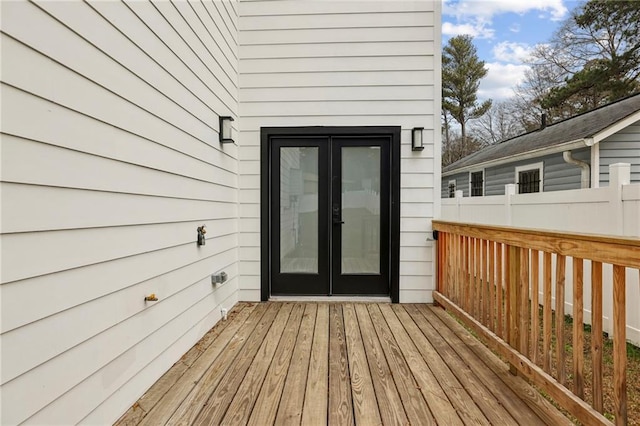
x=267 y=133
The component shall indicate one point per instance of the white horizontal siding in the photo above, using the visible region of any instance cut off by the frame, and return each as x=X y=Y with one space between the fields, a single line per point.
x=343 y=64
x=66 y=289
x=363 y=93
x=332 y=108
x=43 y=168
x=110 y=160
x=336 y=35
x=39 y=208
x=336 y=20
x=337 y=79
x=33 y=345
x=372 y=63
x=130 y=389
x=21 y=247
x=64 y=127
x=263 y=8
x=337 y=50
x=405 y=121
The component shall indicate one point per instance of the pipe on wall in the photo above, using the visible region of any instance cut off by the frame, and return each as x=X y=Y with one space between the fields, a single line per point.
x=585 y=173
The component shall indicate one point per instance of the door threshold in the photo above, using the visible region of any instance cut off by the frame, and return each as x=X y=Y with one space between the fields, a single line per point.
x=372 y=299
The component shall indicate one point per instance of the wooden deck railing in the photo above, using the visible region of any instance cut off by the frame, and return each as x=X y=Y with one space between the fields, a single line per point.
x=491 y=278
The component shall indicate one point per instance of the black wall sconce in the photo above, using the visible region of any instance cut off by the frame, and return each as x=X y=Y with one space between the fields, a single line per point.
x=225 y=130
x=416 y=139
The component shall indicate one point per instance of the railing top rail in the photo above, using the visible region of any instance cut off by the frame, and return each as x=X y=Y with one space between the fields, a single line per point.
x=607 y=249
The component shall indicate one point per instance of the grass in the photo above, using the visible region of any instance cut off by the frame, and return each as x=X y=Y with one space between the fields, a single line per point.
x=633 y=371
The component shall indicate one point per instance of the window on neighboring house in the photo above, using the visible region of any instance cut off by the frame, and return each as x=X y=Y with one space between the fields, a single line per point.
x=452 y=189
x=477 y=184
x=529 y=178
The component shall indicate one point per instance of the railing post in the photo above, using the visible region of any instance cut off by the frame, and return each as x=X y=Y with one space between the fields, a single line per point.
x=596 y=334
x=619 y=175
x=459 y=195
x=560 y=294
x=523 y=300
x=513 y=330
x=619 y=345
x=509 y=191
x=439 y=247
x=578 y=325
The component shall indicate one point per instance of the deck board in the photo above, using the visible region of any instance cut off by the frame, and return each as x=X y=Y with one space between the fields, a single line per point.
x=291 y=405
x=414 y=404
x=340 y=404
x=269 y=329
x=530 y=406
x=434 y=347
x=271 y=392
x=365 y=405
x=340 y=363
x=389 y=401
x=446 y=397
x=314 y=411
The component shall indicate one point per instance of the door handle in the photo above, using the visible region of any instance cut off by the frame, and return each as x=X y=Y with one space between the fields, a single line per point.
x=336 y=215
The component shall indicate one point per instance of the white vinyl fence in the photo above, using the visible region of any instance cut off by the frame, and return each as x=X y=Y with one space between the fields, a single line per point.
x=612 y=210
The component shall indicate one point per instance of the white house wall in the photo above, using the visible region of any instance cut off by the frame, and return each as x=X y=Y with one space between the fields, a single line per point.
x=110 y=160
x=343 y=64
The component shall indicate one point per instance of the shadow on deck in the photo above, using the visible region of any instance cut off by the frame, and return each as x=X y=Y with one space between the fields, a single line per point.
x=340 y=363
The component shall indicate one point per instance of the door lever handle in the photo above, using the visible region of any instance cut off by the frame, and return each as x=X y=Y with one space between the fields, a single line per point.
x=338 y=222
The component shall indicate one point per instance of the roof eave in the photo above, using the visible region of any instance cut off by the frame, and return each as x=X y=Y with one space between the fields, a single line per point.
x=614 y=128
x=578 y=143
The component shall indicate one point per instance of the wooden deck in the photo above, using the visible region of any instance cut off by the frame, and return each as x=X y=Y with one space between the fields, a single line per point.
x=340 y=364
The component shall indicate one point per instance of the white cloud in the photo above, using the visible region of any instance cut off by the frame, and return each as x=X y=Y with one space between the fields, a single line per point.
x=476 y=30
x=488 y=8
x=508 y=51
x=500 y=80
x=475 y=17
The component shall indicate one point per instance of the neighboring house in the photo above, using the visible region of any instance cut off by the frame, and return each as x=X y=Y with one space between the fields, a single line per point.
x=111 y=159
x=571 y=154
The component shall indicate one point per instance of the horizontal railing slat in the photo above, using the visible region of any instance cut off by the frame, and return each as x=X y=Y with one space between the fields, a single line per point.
x=605 y=249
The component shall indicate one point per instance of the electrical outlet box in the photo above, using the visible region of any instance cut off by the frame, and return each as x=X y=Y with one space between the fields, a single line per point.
x=218 y=278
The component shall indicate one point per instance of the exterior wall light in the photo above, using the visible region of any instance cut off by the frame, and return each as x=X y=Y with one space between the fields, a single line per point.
x=225 y=130
x=416 y=139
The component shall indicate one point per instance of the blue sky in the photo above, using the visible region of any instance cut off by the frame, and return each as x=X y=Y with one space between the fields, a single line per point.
x=504 y=32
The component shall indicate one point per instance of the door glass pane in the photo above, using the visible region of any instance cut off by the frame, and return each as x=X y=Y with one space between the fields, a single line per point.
x=299 y=209
x=361 y=210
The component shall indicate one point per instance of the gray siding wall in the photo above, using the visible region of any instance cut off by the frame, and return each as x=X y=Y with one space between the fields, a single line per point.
x=347 y=63
x=558 y=175
x=622 y=147
x=561 y=176
x=462 y=184
x=495 y=178
x=110 y=160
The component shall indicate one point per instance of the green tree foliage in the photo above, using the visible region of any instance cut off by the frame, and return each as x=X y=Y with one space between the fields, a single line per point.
x=597 y=53
x=462 y=71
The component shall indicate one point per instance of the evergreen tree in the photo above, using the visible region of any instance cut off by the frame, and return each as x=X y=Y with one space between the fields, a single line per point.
x=597 y=50
x=462 y=71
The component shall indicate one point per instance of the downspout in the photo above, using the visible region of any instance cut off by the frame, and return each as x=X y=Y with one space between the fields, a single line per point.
x=585 y=174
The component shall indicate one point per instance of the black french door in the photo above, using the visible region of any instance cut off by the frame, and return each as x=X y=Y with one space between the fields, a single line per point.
x=329 y=214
